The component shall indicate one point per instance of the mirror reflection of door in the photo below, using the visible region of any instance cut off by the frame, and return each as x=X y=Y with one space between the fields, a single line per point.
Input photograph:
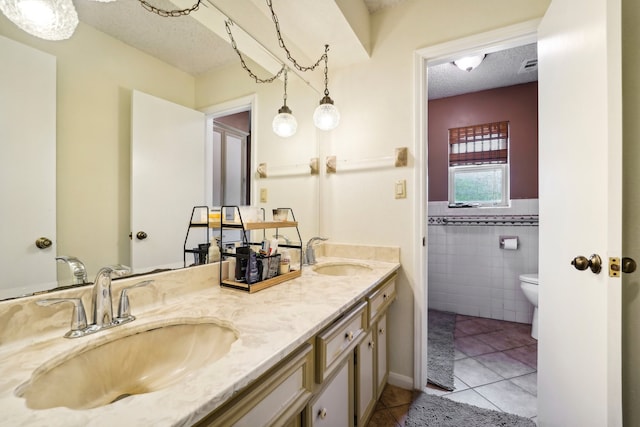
x=231 y=154
x=230 y=171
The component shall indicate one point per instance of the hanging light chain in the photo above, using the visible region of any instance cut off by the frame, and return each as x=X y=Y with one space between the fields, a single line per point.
x=170 y=13
x=227 y=25
x=286 y=78
x=284 y=46
x=326 y=70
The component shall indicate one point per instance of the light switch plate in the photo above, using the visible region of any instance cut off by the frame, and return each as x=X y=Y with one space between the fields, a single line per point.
x=263 y=195
x=401 y=189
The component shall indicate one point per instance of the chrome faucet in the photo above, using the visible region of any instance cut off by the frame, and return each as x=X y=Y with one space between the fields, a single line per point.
x=78 y=269
x=310 y=253
x=101 y=304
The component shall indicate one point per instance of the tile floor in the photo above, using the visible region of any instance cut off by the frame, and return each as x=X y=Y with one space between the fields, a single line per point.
x=495 y=367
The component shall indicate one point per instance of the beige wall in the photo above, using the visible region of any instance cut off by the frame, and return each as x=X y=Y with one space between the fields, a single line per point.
x=631 y=210
x=376 y=99
x=96 y=74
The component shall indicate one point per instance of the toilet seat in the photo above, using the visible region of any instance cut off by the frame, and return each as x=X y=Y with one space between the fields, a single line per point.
x=529 y=278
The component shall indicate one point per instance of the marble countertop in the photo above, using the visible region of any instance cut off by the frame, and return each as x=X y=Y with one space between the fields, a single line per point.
x=270 y=324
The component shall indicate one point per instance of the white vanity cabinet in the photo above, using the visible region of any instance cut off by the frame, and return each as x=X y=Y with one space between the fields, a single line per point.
x=365 y=357
x=347 y=360
x=358 y=338
x=333 y=405
x=276 y=398
x=382 y=347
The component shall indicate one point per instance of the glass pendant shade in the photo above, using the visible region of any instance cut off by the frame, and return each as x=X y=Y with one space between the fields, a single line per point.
x=46 y=19
x=285 y=124
x=469 y=63
x=326 y=116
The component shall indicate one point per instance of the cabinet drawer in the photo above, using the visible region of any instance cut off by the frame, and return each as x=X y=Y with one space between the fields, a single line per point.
x=380 y=299
x=339 y=339
x=275 y=399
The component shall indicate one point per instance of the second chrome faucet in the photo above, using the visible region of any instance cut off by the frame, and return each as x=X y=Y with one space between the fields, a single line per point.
x=101 y=304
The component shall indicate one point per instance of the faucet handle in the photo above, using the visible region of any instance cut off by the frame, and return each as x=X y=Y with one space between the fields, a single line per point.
x=79 y=318
x=124 y=308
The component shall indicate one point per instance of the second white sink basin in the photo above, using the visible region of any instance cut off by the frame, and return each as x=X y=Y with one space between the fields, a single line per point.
x=145 y=361
x=341 y=268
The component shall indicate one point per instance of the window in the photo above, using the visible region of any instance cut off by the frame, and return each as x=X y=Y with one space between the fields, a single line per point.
x=479 y=165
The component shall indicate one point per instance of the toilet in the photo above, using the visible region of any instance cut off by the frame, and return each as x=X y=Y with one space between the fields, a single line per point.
x=529 y=285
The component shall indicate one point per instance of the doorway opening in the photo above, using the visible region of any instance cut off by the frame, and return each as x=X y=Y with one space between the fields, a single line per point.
x=437 y=260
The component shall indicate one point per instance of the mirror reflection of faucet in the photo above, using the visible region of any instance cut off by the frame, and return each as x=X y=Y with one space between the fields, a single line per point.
x=101 y=304
x=309 y=253
x=78 y=270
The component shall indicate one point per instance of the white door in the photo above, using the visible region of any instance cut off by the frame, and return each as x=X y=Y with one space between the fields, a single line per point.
x=27 y=169
x=579 y=375
x=167 y=179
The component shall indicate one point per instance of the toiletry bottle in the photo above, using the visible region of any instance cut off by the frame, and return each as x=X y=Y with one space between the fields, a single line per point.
x=214 y=251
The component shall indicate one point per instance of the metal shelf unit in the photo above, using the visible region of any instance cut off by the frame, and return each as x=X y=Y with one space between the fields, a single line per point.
x=246 y=229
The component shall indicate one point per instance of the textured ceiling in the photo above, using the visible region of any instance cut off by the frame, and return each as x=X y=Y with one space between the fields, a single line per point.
x=498 y=69
x=192 y=47
x=182 y=42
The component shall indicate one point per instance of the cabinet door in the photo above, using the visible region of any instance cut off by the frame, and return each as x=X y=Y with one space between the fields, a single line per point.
x=332 y=407
x=365 y=380
x=382 y=368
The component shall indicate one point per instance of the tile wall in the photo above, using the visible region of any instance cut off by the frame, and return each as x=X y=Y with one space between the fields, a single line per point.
x=468 y=272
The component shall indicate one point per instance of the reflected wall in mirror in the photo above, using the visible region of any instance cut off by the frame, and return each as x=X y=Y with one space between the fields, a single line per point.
x=96 y=76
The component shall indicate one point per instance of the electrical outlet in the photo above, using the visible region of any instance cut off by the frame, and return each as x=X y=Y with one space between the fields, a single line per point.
x=401 y=189
x=263 y=195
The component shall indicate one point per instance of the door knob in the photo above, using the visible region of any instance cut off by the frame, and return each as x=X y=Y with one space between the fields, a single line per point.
x=628 y=265
x=141 y=235
x=43 y=243
x=582 y=263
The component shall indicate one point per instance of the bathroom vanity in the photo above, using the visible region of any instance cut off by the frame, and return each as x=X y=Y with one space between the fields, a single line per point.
x=310 y=351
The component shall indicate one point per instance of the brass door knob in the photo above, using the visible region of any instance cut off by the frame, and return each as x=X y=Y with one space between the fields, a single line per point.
x=141 y=235
x=43 y=243
x=628 y=265
x=582 y=263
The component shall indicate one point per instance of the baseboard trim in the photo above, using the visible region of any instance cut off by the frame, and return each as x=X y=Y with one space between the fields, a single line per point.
x=401 y=381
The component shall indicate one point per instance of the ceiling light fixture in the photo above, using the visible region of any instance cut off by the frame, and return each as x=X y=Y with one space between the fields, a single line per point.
x=469 y=63
x=326 y=116
x=285 y=124
x=46 y=19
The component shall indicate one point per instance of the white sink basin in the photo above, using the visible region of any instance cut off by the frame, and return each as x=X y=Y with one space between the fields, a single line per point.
x=341 y=268
x=143 y=362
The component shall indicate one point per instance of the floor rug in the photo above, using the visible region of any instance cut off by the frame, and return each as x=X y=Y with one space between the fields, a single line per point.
x=440 y=349
x=430 y=410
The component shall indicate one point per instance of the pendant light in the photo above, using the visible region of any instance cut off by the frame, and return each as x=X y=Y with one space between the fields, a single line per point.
x=285 y=124
x=46 y=19
x=326 y=116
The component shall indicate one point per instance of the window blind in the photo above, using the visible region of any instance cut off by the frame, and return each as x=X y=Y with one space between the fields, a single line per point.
x=479 y=144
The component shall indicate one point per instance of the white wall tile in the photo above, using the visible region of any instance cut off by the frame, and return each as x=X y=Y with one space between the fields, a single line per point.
x=468 y=272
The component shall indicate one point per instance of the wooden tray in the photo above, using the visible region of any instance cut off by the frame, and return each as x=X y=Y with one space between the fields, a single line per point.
x=258 y=286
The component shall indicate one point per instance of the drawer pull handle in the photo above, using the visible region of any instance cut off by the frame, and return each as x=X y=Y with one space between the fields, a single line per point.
x=384 y=296
x=322 y=413
x=372 y=345
x=381 y=331
x=349 y=335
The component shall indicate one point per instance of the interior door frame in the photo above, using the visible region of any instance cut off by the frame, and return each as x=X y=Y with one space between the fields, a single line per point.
x=499 y=39
x=246 y=103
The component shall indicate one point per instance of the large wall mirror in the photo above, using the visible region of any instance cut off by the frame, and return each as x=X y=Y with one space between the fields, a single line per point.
x=90 y=199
